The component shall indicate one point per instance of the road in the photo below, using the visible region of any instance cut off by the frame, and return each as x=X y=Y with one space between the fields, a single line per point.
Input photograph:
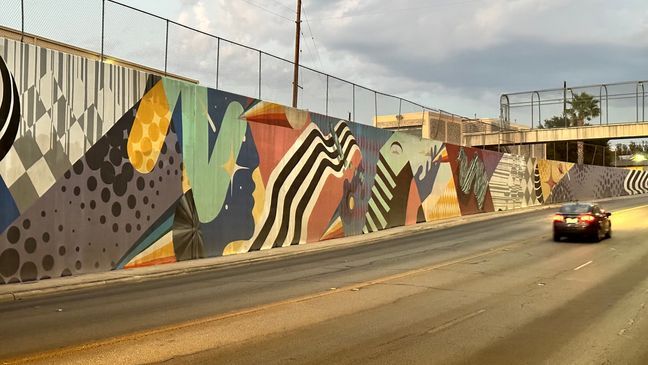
x=497 y=292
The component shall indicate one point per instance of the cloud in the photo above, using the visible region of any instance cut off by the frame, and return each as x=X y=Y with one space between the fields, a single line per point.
x=457 y=55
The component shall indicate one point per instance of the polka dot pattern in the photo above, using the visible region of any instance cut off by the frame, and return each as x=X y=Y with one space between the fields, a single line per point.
x=92 y=216
x=149 y=130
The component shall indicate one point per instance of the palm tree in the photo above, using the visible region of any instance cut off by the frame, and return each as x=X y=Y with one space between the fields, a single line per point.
x=582 y=107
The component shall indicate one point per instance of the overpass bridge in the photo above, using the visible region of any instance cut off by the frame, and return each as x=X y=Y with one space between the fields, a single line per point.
x=536 y=136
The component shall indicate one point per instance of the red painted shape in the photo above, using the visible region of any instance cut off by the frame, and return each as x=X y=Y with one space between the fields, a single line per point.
x=272 y=145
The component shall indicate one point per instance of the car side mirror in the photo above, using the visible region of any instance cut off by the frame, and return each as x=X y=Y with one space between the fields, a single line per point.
x=607 y=214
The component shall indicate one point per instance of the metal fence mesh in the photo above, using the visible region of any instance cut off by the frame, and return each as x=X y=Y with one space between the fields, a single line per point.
x=116 y=31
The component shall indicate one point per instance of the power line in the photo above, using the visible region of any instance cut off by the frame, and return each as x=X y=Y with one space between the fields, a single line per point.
x=310 y=53
x=292 y=10
x=268 y=10
x=313 y=40
x=417 y=9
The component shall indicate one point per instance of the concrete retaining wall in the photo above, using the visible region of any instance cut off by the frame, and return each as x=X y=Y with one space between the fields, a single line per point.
x=105 y=168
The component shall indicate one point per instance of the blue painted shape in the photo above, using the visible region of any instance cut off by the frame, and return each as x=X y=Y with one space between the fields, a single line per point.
x=176 y=121
x=235 y=221
x=8 y=209
x=217 y=103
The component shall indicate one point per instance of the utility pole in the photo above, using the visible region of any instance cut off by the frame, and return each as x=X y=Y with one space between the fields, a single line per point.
x=297 y=37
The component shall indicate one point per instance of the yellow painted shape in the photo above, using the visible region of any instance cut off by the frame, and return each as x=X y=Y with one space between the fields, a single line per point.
x=258 y=195
x=235 y=247
x=149 y=129
x=444 y=206
x=335 y=227
x=186 y=184
x=162 y=248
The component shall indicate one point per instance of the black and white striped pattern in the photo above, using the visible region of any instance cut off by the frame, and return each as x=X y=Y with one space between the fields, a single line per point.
x=382 y=194
x=538 y=184
x=296 y=183
x=636 y=182
x=9 y=109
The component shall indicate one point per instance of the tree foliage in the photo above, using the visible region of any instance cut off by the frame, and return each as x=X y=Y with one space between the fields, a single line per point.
x=631 y=148
x=583 y=107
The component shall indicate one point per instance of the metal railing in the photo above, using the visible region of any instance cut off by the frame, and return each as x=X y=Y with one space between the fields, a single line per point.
x=620 y=102
x=115 y=30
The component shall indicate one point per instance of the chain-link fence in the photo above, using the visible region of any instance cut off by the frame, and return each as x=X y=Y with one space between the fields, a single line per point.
x=120 y=32
x=623 y=102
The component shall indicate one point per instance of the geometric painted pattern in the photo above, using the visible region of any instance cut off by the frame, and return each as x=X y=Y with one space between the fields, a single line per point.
x=109 y=168
x=68 y=103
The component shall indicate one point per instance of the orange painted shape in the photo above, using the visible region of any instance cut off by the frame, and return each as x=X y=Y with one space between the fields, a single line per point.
x=336 y=230
x=278 y=115
x=149 y=129
x=413 y=204
x=267 y=113
x=329 y=199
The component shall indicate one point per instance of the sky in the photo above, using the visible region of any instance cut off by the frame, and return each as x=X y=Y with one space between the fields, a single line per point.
x=455 y=55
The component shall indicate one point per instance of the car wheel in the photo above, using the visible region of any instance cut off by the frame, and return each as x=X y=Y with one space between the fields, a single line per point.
x=609 y=232
x=596 y=236
x=556 y=237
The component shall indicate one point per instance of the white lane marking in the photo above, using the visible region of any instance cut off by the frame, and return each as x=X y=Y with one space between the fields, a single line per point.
x=456 y=321
x=583 y=265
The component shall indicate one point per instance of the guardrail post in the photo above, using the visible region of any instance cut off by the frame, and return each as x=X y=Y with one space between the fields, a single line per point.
x=643 y=116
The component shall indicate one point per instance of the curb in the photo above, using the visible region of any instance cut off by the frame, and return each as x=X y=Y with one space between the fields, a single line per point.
x=47 y=287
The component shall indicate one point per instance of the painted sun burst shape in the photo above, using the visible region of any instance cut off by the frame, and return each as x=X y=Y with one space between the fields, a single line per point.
x=231 y=167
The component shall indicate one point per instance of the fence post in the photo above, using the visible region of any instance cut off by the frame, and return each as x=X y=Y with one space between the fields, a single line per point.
x=217 y=60
x=400 y=115
x=327 y=94
x=376 y=108
x=103 y=26
x=166 y=47
x=259 y=75
x=22 y=20
x=353 y=102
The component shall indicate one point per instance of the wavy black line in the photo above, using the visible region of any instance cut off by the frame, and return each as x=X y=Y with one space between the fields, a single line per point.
x=297 y=184
x=9 y=110
x=301 y=207
x=313 y=136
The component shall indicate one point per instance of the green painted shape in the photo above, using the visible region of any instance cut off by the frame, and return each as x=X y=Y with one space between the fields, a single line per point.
x=413 y=150
x=209 y=179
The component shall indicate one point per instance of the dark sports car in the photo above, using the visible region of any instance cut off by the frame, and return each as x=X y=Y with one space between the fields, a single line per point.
x=582 y=220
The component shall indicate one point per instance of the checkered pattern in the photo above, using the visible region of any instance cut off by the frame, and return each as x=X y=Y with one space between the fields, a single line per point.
x=65 y=109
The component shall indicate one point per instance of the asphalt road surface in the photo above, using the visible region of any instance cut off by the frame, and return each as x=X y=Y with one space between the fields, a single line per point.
x=491 y=292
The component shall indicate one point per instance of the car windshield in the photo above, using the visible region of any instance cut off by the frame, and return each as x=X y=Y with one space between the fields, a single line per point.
x=575 y=208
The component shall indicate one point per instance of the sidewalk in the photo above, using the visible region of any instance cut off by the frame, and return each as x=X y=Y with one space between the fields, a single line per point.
x=14 y=292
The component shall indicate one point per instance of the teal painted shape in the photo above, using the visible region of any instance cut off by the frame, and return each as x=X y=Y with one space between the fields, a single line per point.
x=210 y=169
x=160 y=228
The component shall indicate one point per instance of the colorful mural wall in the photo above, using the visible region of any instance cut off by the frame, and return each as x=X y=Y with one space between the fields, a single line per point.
x=105 y=168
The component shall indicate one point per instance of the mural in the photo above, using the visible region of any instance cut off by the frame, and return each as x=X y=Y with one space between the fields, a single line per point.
x=103 y=168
